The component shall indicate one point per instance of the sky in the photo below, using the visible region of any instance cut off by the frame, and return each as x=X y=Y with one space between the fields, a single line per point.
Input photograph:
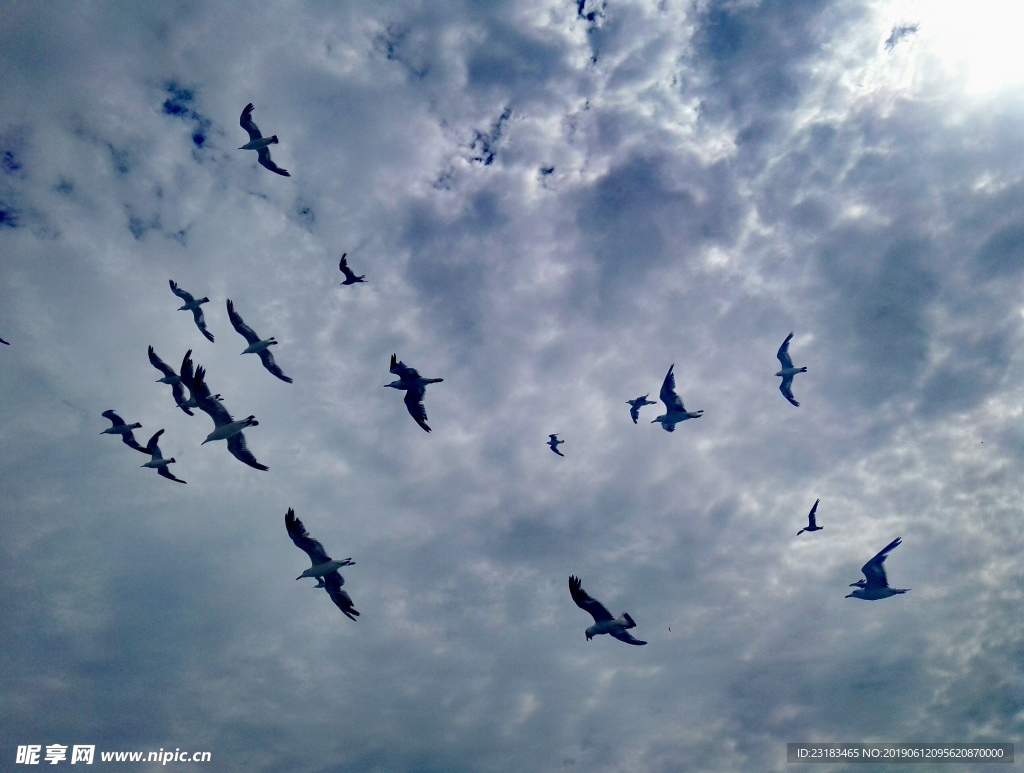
x=552 y=202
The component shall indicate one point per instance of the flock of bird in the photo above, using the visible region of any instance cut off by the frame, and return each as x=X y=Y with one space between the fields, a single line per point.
x=325 y=569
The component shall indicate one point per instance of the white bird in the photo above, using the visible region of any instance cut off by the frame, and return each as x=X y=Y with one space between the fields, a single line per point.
x=158 y=460
x=675 y=412
x=637 y=404
x=415 y=386
x=172 y=378
x=554 y=442
x=324 y=567
x=603 y=620
x=256 y=344
x=788 y=371
x=812 y=525
x=875 y=586
x=124 y=430
x=350 y=277
x=226 y=428
x=193 y=305
x=258 y=142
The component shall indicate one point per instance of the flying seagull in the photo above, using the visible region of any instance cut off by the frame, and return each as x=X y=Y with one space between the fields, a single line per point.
x=554 y=442
x=350 y=277
x=226 y=428
x=875 y=586
x=788 y=371
x=258 y=142
x=256 y=344
x=603 y=620
x=812 y=525
x=324 y=567
x=188 y=381
x=637 y=404
x=414 y=386
x=124 y=430
x=674 y=410
x=172 y=378
x=191 y=304
x=158 y=460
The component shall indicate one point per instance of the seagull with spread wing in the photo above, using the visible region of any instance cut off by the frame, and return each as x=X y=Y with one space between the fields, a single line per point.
x=675 y=412
x=637 y=404
x=172 y=378
x=812 y=525
x=875 y=585
x=225 y=427
x=788 y=371
x=415 y=386
x=193 y=305
x=603 y=620
x=554 y=442
x=258 y=142
x=350 y=277
x=123 y=429
x=256 y=344
x=324 y=568
x=158 y=460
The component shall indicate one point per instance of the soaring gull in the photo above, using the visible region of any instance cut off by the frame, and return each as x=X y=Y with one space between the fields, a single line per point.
x=172 y=378
x=788 y=371
x=675 y=412
x=158 y=460
x=226 y=428
x=256 y=344
x=554 y=442
x=350 y=277
x=637 y=404
x=124 y=430
x=875 y=586
x=191 y=304
x=324 y=567
x=603 y=620
x=812 y=525
x=258 y=142
x=414 y=386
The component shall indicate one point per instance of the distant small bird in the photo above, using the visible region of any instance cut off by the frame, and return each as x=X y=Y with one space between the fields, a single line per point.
x=554 y=442
x=124 y=430
x=788 y=371
x=350 y=277
x=324 y=567
x=675 y=412
x=415 y=386
x=158 y=460
x=256 y=344
x=258 y=142
x=875 y=586
x=637 y=404
x=603 y=620
x=172 y=378
x=225 y=427
x=191 y=304
x=812 y=525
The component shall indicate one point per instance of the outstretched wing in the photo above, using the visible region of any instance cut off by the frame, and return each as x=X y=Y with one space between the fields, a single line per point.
x=129 y=440
x=167 y=474
x=786 y=387
x=152 y=446
x=874 y=570
x=297 y=531
x=246 y=122
x=414 y=403
x=160 y=365
x=783 y=355
x=341 y=599
x=239 y=324
x=185 y=296
x=5 y=343
x=627 y=637
x=586 y=602
x=197 y=314
x=115 y=420
x=272 y=366
x=238 y=449
x=267 y=162
x=668 y=393
x=810 y=516
x=403 y=371
x=206 y=401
